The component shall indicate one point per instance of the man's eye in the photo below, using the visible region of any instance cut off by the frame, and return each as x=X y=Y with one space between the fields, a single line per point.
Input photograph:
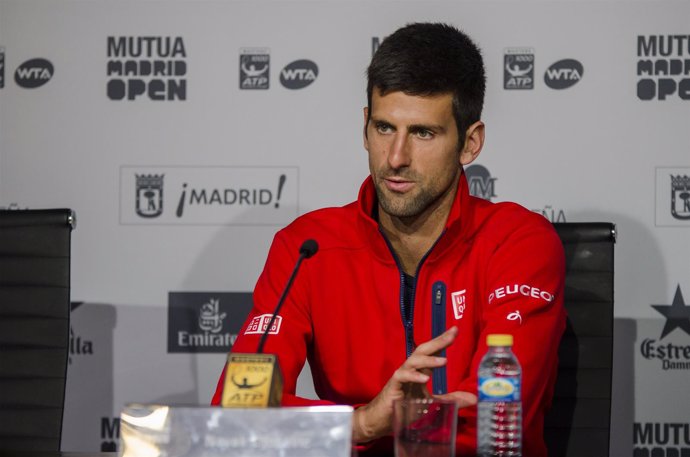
x=383 y=128
x=425 y=134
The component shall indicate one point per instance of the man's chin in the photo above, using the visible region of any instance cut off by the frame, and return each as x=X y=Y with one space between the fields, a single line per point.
x=398 y=208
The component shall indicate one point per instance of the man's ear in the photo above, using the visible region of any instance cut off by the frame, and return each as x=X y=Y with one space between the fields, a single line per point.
x=366 y=121
x=474 y=142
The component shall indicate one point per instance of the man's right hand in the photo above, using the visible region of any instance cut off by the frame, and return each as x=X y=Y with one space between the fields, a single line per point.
x=375 y=419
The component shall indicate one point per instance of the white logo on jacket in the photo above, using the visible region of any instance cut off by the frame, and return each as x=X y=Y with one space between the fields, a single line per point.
x=259 y=324
x=522 y=289
x=515 y=316
x=458 y=300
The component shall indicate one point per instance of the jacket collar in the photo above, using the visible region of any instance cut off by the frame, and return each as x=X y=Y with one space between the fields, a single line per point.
x=457 y=225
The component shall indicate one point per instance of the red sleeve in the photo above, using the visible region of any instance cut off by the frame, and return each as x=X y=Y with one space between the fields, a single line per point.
x=524 y=291
x=292 y=330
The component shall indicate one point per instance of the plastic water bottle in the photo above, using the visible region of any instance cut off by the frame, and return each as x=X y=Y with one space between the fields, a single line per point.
x=499 y=411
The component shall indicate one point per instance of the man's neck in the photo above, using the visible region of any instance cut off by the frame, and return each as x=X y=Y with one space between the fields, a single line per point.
x=412 y=237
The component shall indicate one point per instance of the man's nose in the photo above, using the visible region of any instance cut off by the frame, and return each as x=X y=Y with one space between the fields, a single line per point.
x=399 y=153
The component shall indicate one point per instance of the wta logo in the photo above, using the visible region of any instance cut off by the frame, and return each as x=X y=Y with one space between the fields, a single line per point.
x=299 y=74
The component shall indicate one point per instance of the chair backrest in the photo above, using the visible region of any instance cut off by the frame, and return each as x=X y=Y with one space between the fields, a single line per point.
x=34 y=326
x=579 y=420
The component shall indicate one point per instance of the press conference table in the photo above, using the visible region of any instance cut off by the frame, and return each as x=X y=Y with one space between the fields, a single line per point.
x=95 y=454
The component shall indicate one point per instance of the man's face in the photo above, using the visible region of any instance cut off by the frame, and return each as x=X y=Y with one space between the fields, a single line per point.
x=413 y=151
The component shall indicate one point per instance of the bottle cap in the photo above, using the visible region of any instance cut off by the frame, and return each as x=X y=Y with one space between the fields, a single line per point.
x=499 y=340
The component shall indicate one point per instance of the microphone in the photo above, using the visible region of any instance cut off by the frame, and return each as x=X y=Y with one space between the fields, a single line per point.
x=308 y=249
x=238 y=390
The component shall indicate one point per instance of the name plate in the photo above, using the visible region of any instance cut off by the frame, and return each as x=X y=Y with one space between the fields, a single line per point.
x=169 y=431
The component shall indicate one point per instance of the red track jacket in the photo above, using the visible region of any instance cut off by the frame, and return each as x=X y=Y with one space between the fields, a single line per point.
x=497 y=268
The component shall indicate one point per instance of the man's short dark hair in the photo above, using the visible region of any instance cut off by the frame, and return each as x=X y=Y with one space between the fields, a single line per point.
x=431 y=59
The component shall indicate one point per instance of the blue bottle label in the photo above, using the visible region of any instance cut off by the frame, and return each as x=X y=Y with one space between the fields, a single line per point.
x=499 y=389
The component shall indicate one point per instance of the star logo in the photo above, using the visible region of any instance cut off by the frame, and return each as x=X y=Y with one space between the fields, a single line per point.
x=677 y=314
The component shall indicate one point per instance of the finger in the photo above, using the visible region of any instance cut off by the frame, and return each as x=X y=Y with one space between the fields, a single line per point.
x=423 y=362
x=463 y=399
x=409 y=374
x=435 y=345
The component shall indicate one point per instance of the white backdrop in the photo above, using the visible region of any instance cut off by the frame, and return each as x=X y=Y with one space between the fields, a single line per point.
x=230 y=155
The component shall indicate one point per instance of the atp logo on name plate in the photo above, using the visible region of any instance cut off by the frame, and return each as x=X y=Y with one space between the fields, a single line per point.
x=672 y=197
x=160 y=195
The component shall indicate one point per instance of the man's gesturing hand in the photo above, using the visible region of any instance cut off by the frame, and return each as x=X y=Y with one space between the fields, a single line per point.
x=375 y=419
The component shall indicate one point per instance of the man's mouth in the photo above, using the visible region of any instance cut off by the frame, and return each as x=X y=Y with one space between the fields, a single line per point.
x=396 y=184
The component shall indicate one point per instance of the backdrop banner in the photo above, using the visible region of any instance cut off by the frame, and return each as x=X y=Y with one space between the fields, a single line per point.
x=185 y=133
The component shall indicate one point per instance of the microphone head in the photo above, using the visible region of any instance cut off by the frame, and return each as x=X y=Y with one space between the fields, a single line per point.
x=309 y=248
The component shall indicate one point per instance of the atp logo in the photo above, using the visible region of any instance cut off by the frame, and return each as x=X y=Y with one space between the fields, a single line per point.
x=518 y=68
x=255 y=66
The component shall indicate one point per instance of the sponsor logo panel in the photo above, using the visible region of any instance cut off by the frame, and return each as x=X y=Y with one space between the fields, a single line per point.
x=110 y=434
x=208 y=195
x=79 y=345
x=661 y=439
x=480 y=182
x=563 y=74
x=146 y=67
x=551 y=213
x=670 y=355
x=672 y=205
x=205 y=322
x=664 y=348
x=299 y=74
x=663 y=67
x=34 y=73
x=255 y=68
x=518 y=68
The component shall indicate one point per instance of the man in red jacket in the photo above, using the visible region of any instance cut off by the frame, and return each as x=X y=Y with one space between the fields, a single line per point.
x=411 y=278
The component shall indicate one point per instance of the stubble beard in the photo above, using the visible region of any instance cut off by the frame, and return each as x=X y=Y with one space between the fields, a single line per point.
x=404 y=206
x=407 y=205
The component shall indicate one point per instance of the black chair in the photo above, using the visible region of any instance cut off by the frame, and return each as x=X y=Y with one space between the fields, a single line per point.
x=34 y=326
x=579 y=421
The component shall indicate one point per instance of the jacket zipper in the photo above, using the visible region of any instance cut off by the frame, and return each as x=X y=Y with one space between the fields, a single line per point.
x=438 y=326
x=409 y=325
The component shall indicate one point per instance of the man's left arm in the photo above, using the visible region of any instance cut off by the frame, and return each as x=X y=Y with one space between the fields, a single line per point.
x=524 y=289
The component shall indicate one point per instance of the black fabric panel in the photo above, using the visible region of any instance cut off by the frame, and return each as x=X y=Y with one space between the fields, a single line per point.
x=582 y=232
x=34 y=327
x=585 y=257
x=33 y=332
x=578 y=423
x=31 y=392
x=586 y=442
x=32 y=301
x=579 y=413
x=31 y=422
x=39 y=241
x=581 y=383
x=585 y=352
x=29 y=444
x=34 y=271
x=589 y=319
x=588 y=286
x=20 y=362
